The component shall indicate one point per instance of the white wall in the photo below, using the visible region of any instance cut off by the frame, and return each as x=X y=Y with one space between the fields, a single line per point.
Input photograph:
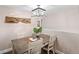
x=68 y=42
x=63 y=18
x=64 y=22
x=13 y=31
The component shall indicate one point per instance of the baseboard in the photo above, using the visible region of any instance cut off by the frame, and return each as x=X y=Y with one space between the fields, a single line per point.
x=5 y=51
x=58 y=52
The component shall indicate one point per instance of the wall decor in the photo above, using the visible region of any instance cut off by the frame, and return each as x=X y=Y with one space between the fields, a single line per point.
x=17 y=20
x=26 y=20
x=11 y=20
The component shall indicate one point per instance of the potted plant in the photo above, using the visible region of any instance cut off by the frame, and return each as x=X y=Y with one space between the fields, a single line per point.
x=37 y=31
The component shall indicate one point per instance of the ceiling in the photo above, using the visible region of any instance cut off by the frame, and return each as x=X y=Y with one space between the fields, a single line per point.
x=49 y=8
x=27 y=7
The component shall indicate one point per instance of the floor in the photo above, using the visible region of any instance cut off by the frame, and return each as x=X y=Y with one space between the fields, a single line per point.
x=42 y=52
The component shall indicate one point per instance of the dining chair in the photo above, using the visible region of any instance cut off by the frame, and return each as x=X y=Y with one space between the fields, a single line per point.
x=51 y=45
x=20 y=46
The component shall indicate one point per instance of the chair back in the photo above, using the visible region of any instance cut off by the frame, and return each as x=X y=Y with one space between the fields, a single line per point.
x=51 y=42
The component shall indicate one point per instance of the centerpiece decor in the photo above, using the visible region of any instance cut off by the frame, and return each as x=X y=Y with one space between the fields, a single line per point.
x=37 y=30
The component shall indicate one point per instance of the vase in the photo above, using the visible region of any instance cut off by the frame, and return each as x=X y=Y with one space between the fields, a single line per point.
x=38 y=35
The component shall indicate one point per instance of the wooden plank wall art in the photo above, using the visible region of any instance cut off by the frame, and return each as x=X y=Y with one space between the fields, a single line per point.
x=17 y=20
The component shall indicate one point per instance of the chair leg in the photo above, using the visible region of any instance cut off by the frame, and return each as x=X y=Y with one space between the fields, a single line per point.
x=48 y=52
x=53 y=52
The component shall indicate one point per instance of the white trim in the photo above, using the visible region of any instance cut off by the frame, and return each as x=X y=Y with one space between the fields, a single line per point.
x=50 y=29
x=59 y=52
x=6 y=50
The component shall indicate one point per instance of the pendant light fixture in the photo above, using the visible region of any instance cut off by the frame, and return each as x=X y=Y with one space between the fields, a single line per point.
x=38 y=12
